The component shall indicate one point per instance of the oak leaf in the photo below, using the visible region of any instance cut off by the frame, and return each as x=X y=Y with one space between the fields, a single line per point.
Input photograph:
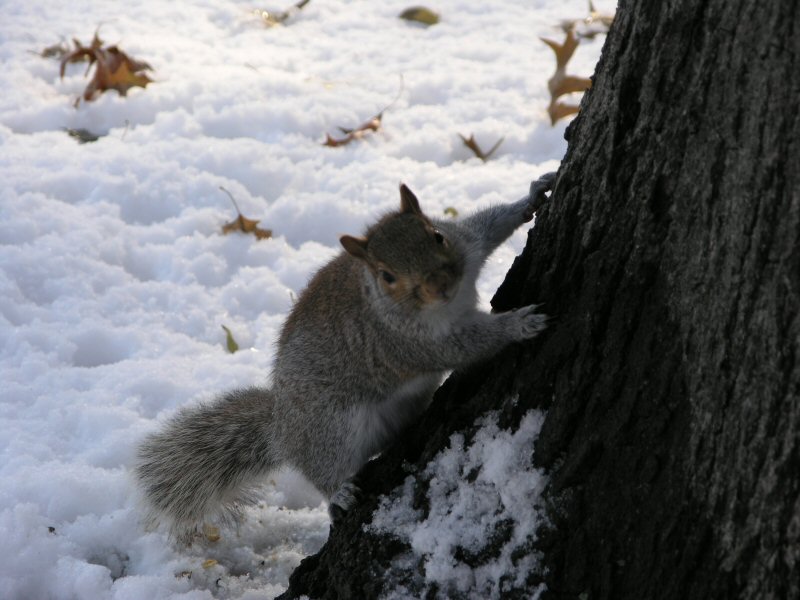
x=561 y=83
x=473 y=145
x=243 y=224
x=357 y=133
x=589 y=27
x=373 y=124
x=55 y=51
x=559 y=110
x=114 y=69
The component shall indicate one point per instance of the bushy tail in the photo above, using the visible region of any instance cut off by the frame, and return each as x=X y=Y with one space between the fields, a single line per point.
x=200 y=464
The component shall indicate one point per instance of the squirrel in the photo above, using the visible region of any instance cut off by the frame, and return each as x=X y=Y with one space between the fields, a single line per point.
x=362 y=351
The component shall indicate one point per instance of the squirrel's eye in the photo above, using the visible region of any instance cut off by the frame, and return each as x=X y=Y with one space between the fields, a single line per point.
x=438 y=236
x=387 y=277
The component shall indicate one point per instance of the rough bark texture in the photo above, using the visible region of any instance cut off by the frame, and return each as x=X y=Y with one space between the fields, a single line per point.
x=670 y=254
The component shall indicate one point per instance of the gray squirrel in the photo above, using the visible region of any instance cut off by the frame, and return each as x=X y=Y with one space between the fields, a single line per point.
x=359 y=357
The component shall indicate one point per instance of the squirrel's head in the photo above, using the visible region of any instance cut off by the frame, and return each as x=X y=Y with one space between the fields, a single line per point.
x=410 y=258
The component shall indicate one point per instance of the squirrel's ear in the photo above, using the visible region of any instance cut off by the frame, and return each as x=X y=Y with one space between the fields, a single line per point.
x=408 y=201
x=356 y=246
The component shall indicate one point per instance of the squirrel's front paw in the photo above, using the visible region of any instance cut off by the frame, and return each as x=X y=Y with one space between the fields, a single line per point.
x=345 y=498
x=536 y=194
x=527 y=323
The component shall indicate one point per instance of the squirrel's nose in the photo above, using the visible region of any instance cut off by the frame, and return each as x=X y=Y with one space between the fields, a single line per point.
x=438 y=284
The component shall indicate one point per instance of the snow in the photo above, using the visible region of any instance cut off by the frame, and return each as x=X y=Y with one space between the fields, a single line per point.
x=477 y=492
x=115 y=279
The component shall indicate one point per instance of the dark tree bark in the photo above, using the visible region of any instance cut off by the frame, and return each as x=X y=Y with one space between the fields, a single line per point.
x=669 y=254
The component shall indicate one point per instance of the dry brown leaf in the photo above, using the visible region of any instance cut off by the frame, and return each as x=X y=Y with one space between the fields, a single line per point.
x=473 y=145
x=114 y=70
x=243 y=224
x=207 y=564
x=271 y=19
x=82 y=53
x=374 y=124
x=55 y=51
x=559 y=110
x=246 y=225
x=561 y=83
x=569 y=84
x=563 y=51
x=589 y=27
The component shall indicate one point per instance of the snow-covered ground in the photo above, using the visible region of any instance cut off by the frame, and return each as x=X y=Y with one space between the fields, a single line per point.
x=115 y=279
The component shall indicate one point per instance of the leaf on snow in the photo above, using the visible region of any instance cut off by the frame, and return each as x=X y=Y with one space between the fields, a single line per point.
x=54 y=51
x=271 y=19
x=420 y=14
x=589 y=27
x=559 y=110
x=473 y=145
x=451 y=211
x=82 y=53
x=373 y=124
x=84 y=136
x=561 y=83
x=114 y=70
x=243 y=224
x=232 y=346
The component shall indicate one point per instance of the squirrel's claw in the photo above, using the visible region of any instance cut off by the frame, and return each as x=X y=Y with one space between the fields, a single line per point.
x=345 y=498
x=537 y=193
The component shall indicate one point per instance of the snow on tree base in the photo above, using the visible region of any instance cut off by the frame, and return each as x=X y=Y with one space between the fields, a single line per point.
x=471 y=534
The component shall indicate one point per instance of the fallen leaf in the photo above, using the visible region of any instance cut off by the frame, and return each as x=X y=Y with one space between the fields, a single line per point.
x=563 y=51
x=84 y=136
x=271 y=19
x=561 y=83
x=54 y=51
x=114 y=70
x=559 y=110
x=207 y=564
x=420 y=14
x=374 y=124
x=473 y=145
x=232 y=346
x=82 y=53
x=450 y=211
x=243 y=224
x=211 y=532
x=589 y=27
x=357 y=133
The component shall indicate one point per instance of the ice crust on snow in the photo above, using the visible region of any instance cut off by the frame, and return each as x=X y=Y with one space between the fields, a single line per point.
x=478 y=492
x=114 y=276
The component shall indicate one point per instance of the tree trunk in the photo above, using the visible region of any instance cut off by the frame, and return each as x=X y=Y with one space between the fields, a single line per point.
x=669 y=256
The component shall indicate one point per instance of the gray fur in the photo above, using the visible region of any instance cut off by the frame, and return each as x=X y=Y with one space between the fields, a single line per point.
x=357 y=361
